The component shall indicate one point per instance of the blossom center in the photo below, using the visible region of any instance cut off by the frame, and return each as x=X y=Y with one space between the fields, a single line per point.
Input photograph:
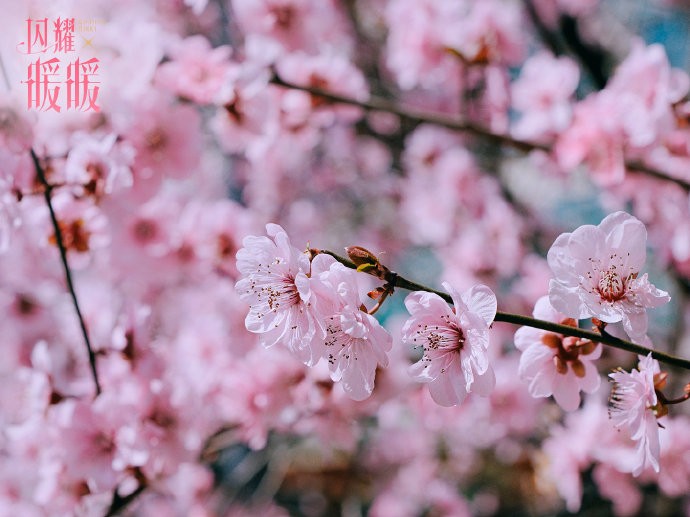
x=145 y=230
x=567 y=350
x=442 y=338
x=283 y=15
x=611 y=286
x=156 y=140
x=75 y=235
x=281 y=294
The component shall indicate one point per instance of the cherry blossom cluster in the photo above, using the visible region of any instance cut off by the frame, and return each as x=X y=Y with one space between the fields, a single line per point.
x=463 y=137
x=311 y=307
x=309 y=303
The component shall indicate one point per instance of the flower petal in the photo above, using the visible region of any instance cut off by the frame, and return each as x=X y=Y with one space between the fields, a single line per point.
x=481 y=300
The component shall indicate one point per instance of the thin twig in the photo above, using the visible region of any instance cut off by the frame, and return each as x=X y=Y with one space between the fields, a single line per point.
x=517 y=319
x=378 y=104
x=47 y=189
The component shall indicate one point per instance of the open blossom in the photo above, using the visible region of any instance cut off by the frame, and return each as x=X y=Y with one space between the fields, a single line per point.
x=554 y=364
x=281 y=286
x=195 y=71
x=543 y=95
x=355 y=342
x=633 y=407
x=596 y=272
x=455 y=342
x=100 y=165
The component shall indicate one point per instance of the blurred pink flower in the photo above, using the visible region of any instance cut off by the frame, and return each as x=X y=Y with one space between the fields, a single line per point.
x=196 y=71
x=455 y=342
x=569 y=449
x=416 y=52
x=674 y=463
x=167 y=141
x=281 y=286
x=632 y=115
x=620 y=488
x=332 y=73
x=355 y=342
x=645 y=88
x=16 y=131
x=282 y=26
x=596 y=137
x=83 y=227
x=632 y=407
x=100 y=165
x=543 y=94
x=488 y=31
x=596 y=274
x=553 y=364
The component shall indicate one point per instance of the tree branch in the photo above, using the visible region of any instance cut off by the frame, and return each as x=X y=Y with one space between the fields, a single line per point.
x=378 y=104
x=517 y=319
x=47 y=189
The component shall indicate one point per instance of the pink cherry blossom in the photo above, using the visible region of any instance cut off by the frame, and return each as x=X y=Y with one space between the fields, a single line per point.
x=83 y=228
x=100 y=165
x=632 y=114
x=247 y=113
x=292 y=25
x=556 y=365
x=646 y=88
x=674 y=462
x=282 y=287
x=166 y=140
x=196 y=145
x=331 y=73
x=620 y=488
x=543 y=94
x=596 y=272
x=454 y=342
x=585 y=436
x=595 y=137
x=485 y=31
x=632 y=408
x=196 y=71
x=415 y=51
x=355 y=342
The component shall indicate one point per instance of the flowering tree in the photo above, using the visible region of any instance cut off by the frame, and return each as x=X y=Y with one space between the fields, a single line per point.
x=183 y=334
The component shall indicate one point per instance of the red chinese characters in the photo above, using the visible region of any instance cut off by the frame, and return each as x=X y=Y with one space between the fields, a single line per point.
x=53 y=82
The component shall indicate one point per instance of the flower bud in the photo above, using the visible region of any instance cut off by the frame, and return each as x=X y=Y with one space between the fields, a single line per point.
x=361 y=256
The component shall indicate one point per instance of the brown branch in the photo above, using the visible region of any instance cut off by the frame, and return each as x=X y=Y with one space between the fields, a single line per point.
x=378 y=104
x=47 y=189
x=517 y=319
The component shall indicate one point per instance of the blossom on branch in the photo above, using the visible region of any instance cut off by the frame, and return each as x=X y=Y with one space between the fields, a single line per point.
x=596 y=272
x=355 y=341
x=455 y=342
x=280 y=285
x=633 y=407
x=553 y=364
